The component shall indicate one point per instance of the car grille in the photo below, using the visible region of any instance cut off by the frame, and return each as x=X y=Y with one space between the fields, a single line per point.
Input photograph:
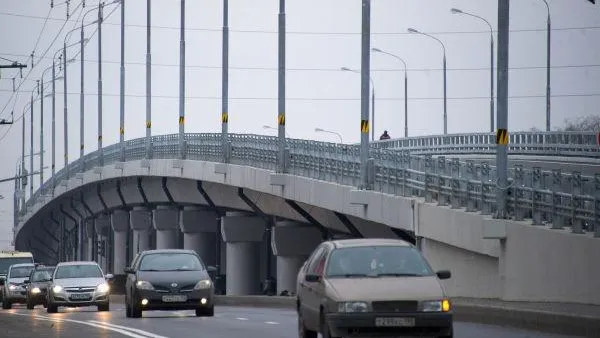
x=82 y=289
x=395 y=306
x=179 y=288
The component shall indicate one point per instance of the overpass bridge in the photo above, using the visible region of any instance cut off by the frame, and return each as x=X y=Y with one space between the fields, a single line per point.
x=254 y=221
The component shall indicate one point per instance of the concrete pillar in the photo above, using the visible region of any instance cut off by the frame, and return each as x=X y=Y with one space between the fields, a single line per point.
x=292 y=243
x=120 y=225
x=199 y=228
x=90 y=233
x=102 y=226
x=140 y=221
x=242 y=234
x=166 y=221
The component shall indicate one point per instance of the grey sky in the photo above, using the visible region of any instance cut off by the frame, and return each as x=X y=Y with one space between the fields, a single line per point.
x=319 y=95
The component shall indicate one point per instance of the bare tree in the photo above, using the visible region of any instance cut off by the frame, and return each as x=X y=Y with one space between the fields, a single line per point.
x=583 y=123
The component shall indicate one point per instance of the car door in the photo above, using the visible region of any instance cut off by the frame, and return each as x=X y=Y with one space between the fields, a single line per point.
x=311 y=298
x=303 y=287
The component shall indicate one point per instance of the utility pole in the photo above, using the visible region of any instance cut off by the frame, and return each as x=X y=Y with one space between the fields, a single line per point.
x=502 y=113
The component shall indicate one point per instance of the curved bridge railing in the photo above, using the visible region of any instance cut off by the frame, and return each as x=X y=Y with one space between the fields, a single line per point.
x=562 y=199
x=567 y=144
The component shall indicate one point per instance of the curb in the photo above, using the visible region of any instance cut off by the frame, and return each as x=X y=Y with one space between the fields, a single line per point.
x=549 y=322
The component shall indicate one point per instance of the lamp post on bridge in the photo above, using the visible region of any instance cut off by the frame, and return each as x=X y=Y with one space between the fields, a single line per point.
x=502 y=115
x=321 y=130
x=273 y=128
x=43 y=96
x=225 y=85
x=182 y=83
x=366 y=164
x=412 y=30
x=377 y=50
x=548 y=58
x=346 y=69
x=281 y=89
x=458 y=11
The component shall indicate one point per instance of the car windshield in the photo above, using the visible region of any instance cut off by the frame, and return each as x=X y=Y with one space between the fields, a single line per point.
x=377 y=261
x=78 y=271
x=170 y=262
x=20 y=271
x=41 y=276
x=6 y=262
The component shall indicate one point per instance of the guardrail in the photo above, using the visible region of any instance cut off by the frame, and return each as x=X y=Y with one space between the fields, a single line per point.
x=562 y=199
x=567 y=144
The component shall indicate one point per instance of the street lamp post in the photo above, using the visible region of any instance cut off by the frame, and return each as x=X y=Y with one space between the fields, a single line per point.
x=225 y=84
x=458 y=11
x=412 y=30
x=122 y=86
x=281 y=87
x=321 y=130
x=548 y=58
x=346 y=69
x=148 y=80
x=377 y=50
x=182 y=83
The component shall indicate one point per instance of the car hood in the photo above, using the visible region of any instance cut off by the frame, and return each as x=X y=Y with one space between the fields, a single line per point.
x=386 y=288
x=18 y=281
x=41 y=285
x=79 y=282
x=166 y=278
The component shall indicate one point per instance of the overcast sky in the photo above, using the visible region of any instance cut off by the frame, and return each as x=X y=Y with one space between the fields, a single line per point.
x=324 y=35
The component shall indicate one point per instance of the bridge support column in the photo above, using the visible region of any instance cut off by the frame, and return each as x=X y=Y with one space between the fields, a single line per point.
x=199 y=228
x=292 y=243
x=140 y=221
x=242 y=234
x=90 y=234
x=166 y=222
x=102 y=225
x=120 y=226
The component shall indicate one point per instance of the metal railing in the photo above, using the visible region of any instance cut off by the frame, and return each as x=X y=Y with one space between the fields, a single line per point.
x=567 y=144
x=560 y=199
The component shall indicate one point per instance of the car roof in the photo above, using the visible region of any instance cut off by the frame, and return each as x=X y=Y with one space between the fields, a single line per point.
x=362 y=242
x=20 y=265
x=45 y=267
x=76 y=263
x=159 y=251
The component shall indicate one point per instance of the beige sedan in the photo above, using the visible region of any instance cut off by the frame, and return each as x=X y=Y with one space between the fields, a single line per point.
x=371 y=287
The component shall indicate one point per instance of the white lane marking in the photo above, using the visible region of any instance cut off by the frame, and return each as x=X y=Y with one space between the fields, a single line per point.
x=272 y=323
x=58 y=320
x=148 y=334
x=241 y=318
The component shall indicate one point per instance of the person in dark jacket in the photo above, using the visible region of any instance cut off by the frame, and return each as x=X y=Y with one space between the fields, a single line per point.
x=384 y=136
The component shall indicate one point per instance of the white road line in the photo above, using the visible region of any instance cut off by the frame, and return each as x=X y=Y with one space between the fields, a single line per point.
x=272 y=323
x=240 y=318
x=106 y=327
x=147 y=334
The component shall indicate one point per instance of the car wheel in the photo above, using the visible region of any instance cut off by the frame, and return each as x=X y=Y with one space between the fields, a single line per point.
x=303 y=332
x=51 y=308
x=204 y=312
x=136 y=310
x=104 y=307
x=6 y=305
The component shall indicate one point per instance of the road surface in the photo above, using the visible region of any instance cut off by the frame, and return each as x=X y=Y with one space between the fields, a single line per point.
x=228 y=322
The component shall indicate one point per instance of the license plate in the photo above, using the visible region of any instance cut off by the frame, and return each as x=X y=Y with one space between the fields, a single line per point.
x=174 y=299
x=81 y=296
x=395 y=322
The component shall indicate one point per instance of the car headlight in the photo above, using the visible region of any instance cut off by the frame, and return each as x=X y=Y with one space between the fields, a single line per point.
x=103 y=288
x=436 y=306
x=143 y=285
x=203 y=284
x=12 y=287
x=352 y=307
x=36 y=290
x=57 y=288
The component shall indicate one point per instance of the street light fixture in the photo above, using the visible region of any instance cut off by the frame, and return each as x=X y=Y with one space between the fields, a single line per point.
x=320 y=130
x=346 y=69
x=414 y=31
x=458 y=11
x=377 y=50
x=273 y=128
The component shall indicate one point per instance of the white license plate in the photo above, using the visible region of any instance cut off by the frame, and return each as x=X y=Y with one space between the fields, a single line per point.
x=81 y=296
x=395 y=322
x=174 y=299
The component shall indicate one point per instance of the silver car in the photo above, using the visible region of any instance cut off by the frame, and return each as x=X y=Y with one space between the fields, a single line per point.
x=77 y=284
x=14 y=290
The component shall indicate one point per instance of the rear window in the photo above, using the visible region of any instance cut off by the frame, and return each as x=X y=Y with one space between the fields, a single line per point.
x=374 y=261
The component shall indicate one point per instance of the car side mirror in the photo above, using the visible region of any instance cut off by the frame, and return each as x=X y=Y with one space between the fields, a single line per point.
x=128 y=270
x=211 y=268
x=312 y=278
x=1 y=281
x=444 y=274
x=26 y=281
x=109 y=276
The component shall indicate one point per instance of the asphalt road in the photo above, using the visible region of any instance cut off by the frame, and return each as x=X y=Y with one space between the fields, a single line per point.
x=228 y=322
